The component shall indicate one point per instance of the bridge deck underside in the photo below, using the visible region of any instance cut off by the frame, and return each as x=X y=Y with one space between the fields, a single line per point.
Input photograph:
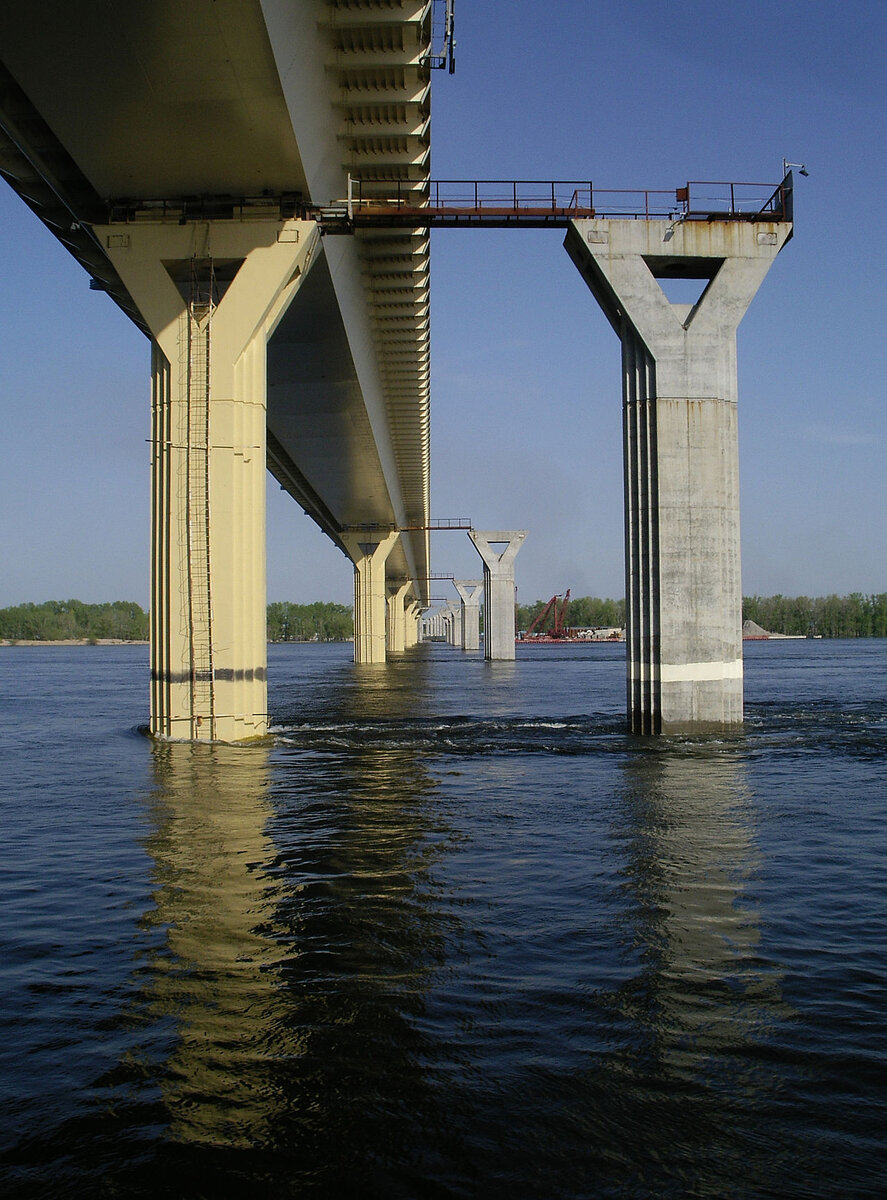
x=241 y=98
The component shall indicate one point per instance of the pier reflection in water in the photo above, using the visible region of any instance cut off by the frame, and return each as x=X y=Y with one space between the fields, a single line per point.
x=406 y=947
x=704 y=1002
x=452 y=933
x=213 y=976
x=295 y=933
x=358 y=838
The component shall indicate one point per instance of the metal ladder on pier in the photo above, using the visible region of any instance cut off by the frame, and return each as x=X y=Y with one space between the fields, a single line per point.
x=196 y=347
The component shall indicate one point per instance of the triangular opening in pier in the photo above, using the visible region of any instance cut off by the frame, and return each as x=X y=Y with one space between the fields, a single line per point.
x=223 y=271
x=683 y=280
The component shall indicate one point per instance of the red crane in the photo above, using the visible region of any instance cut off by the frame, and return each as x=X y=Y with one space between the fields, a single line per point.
x=559 y=628
x=560 y=621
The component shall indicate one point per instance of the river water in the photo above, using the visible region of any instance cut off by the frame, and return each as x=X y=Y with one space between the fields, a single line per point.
x=453 y=934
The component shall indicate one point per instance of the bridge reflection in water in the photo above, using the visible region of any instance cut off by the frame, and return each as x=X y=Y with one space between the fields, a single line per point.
x=374 y=967
x=214 y=976
x=300 y=931
x=703 y=999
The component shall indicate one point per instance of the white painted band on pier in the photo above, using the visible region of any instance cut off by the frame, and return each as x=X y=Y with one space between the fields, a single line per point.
x=699 y=672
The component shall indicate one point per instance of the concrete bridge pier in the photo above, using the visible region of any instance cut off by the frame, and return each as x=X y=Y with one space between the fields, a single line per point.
x=454 y=614
x=411 y=624
x=446 y=619
x=211 y=295
x=435 y=626
x=470 y=594
x=369 y=554
x=498 y=588
x=429 y=625
x=447 y=622
x=397 y=617
x=680 y=439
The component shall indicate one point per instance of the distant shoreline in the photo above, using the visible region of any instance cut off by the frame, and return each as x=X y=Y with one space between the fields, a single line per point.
x=71 y=642
x=145 y=642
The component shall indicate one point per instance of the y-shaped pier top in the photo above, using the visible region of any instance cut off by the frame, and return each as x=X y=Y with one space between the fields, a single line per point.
x=498 y=587
x=683 y=584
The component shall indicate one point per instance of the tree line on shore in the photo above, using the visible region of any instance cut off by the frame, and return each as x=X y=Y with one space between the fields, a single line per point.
x=123 y=620
x=60 y=620
x=856 y=615
x=317 y=622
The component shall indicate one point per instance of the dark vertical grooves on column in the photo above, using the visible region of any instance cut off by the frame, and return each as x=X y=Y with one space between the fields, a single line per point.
x=161 y=508
x=651 y=576
x=631 y=512
x=488 y=608
x=641 y=535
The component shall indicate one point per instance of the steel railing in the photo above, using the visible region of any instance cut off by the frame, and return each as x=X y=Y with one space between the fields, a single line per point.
x=478 y=201
x=455 y=201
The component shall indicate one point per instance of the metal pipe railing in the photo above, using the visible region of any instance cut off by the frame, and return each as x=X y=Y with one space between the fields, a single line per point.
x=565 y=200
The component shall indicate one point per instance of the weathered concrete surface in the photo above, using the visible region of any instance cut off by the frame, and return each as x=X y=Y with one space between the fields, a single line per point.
x=369 y=555
x=498 y=588
x=411 y=624
x=397 y=626
x=208 y=636
x=215 y=118
x=451 y=628
x=470 y=592
x=683 y=581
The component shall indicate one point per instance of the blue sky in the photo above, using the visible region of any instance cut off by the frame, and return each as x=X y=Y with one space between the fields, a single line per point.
x=526 y=386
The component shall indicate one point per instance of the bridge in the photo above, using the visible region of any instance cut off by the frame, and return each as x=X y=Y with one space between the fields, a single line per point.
x=172 y=148
x=249 y=181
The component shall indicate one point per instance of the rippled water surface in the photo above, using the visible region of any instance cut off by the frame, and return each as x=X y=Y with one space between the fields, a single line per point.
x=452 y=934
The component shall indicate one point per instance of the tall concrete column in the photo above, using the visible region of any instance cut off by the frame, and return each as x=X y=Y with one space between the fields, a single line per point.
x=433 y=625
x=454 y=613
x=498 y=588
x=411 y=624
x=369 y=555
x=397 y=625
x=211 y=294
x=470 y=591
x=682 y=560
